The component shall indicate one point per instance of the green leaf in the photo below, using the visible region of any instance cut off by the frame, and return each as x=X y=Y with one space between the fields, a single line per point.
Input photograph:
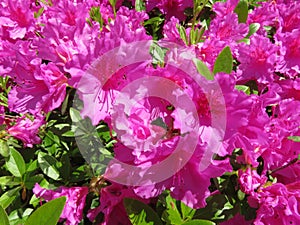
x=253 y=27
x=4 y=149
x=199 y=222
x=38 y=13
x=159 y=122
x=68 y=133
x=32 y=166
x=224 y=61
x=241 y=195
x=75 y=115
x=140 y=213
x=171 y=215
x=294 y=138
x=242 y=11
x=243 y=88
x=48 y=165
x=158 y=54
x=203 y=69
x=8 y=197
x=9 y=180
x=65 y=170
x=139 y=5
x=16 y=164
x=187 y=212
x=3 y=216
x=32 y=180
x=47 y=214
x=182 y=33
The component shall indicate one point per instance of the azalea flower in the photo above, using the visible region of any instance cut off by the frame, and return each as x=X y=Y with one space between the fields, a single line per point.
x=257 y=60
x=170 y=7
x=26 y=130
x=277 y=204
x=73 y=210
x=40 y=87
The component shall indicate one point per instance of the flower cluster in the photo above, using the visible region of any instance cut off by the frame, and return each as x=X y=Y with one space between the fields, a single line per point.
x=174 y=130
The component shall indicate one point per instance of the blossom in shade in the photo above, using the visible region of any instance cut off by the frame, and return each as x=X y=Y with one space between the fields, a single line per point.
x=73 y=210
x=289 y=174
x=111 y=204
x=238 y=219
x=26 y=129
x=170 y=7
x=2 y=114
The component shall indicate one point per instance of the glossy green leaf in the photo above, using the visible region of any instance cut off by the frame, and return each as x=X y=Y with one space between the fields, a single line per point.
x=242 y=11
x=75 y=115
x=187 y=212
x=47 y=214
x=140 y=213
x=203 y=69
x=253 y=27
x=48 y=165
x=182 y=33
x=294 y=138
x=158 y=54
x=224 y=61
x=243 y=88
x=241 y=195
x=172 y=215
x=199 y=222
x=3 y=217
x=8 y=197
x=4 y=149
x=16 y=164
x=32 y=166
x=10 y=180
x=139 y=5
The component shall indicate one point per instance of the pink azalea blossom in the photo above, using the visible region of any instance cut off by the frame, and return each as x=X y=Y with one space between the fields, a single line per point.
x=73 y=210
x=283 y=124
x=277 y=204
x=2 y=114
x=111 y=204
x=16 y=19
x=171 y=32
x=265 y=15
x=257 y=59
x=224 y=8
x=289 y=43
x=170 y=7
x=26 y=130
x=250 y=181
x=289 y=17
x=238 y=219
x=39 y=87
x=227 y=29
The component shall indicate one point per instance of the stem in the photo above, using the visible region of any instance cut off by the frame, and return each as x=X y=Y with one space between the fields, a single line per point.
x=282 y=167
